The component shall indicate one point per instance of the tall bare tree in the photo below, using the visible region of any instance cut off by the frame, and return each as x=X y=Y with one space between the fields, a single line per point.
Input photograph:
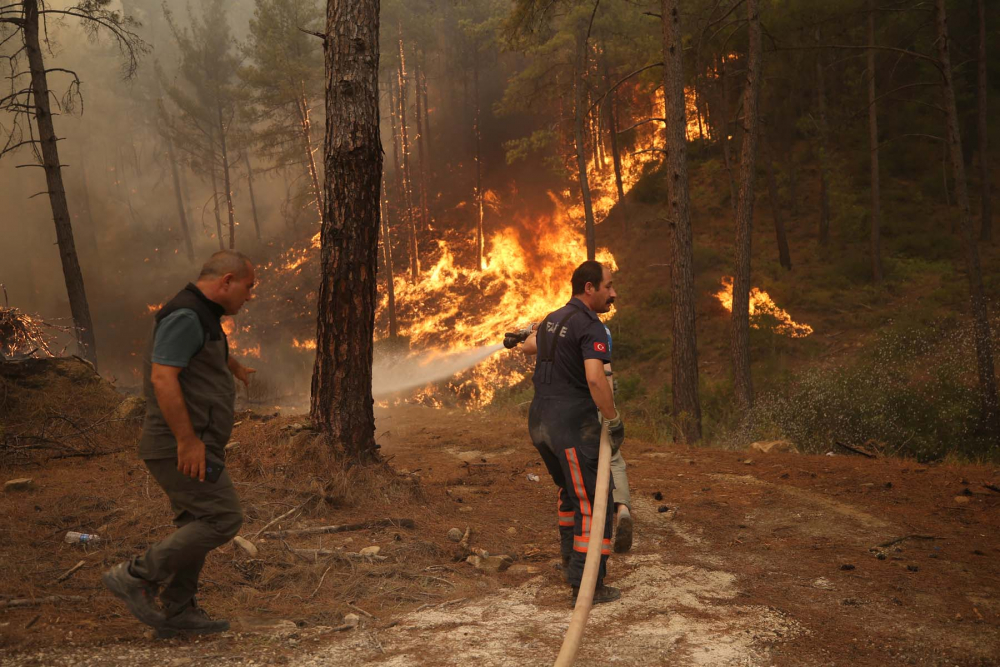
x=824 y=146
x=342 y=406
x=29 y=104
x=876 y=212
x=684 y=358
x=982 y=91
x=990 y=410
x=580 y=112
x=744 y=218
x=405 y=146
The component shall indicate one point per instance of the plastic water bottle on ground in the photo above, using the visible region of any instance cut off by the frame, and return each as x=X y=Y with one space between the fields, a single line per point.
x=73 y=537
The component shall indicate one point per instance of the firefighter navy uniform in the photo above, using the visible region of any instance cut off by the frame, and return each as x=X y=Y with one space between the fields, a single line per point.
x=565 y=428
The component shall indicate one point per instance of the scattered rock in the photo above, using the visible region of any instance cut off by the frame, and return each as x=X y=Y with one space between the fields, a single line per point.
x=532 y=477
x=19 y=484
x=490 y=564
x=133 y=407
x=512 y=531
x=246 y=545
x=823 y=584
x=454 y=534
x=352 y=620
x=748 y=462
x=961 y=500
x=662 y=508
x=465 y=509
x=657 y=496
x=846 y=567
x=774 y=446
x=370 y=551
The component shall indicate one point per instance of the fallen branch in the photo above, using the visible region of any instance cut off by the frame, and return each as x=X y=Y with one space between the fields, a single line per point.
x=446 y=603
x=909 y=537
x=313 y=594
x=854 y=449
x=274 y=521
x=313 y=555
x=992 y=487
x=343 y=528
x=362 y=611
x=70 y=572
x=29 y=602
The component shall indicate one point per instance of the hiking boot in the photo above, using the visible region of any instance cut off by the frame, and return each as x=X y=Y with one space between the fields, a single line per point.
x=623 y=531
x=191 y=620
x=138 y=594
x=602 y=594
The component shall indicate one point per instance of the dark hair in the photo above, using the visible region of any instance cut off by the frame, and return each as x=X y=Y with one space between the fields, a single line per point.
x=226 y=261
x=589 y=272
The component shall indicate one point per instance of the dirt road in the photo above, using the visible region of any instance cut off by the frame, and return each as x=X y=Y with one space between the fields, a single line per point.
x=740 y=559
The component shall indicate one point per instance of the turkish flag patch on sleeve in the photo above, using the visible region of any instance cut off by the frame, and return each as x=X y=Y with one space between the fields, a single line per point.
x=600 y=347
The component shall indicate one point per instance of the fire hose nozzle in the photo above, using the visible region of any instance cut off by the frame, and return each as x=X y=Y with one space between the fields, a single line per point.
x=512 y=339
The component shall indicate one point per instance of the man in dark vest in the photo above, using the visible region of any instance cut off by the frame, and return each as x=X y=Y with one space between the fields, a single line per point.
x=190 y=393
x=571 y=388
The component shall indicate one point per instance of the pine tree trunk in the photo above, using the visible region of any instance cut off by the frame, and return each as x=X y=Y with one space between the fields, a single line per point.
x=226 y=181
x=181 y=212
x=876 y=242
x=427 y=115
x=784 y=256
x=744 y=220
x=397 y=164
x=218 y=214
x=480 y=242
x=980 y=317
x=684 y=357
x=407 y=181
x=581 y=149
x=387 y=262
x=79 y=308
x=727 y=158
x=986 y=224
x=616 y=157
x=342 y=405
x=306 y=122
x=824 y=149
x=421 y=149
x=253 y=200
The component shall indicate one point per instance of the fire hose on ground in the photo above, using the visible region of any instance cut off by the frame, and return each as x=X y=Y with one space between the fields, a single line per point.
x=585 y=597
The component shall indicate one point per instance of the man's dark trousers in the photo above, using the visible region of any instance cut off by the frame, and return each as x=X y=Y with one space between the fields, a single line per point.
x=207 y=515
x=567 y=434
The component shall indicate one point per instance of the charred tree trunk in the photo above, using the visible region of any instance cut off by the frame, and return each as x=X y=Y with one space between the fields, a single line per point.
x=422 y=82
x=986 y=223
x=421 y=149
x=581 y=149
x=876 y=242
x=727 y=158
x=744 y=220
x=980 y=317
x=407 y=181
x=215 y=200
x=784 y=256
x=226 y=180
x=181 y=209
x=253 y=200
x=477 y=131
x=307 y=143
x=387 y=262
x=611 y=101
x=397 y=165
x=79 y=308
x=342 y=405
x=824 y=149
x=684 y=358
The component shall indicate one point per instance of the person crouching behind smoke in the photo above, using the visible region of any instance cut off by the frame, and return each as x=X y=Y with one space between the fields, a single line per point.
x=573 y=396
x=190 y=395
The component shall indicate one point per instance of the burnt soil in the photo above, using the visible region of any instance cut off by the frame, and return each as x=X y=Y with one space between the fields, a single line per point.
x=740 y=558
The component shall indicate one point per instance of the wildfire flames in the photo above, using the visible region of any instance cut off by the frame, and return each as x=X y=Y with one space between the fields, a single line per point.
x=761 y=304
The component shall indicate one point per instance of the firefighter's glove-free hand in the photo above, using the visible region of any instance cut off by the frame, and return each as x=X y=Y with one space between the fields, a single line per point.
x=616 y=432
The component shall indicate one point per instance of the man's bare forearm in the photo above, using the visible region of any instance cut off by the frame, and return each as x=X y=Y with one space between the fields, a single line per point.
x=174 y=409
